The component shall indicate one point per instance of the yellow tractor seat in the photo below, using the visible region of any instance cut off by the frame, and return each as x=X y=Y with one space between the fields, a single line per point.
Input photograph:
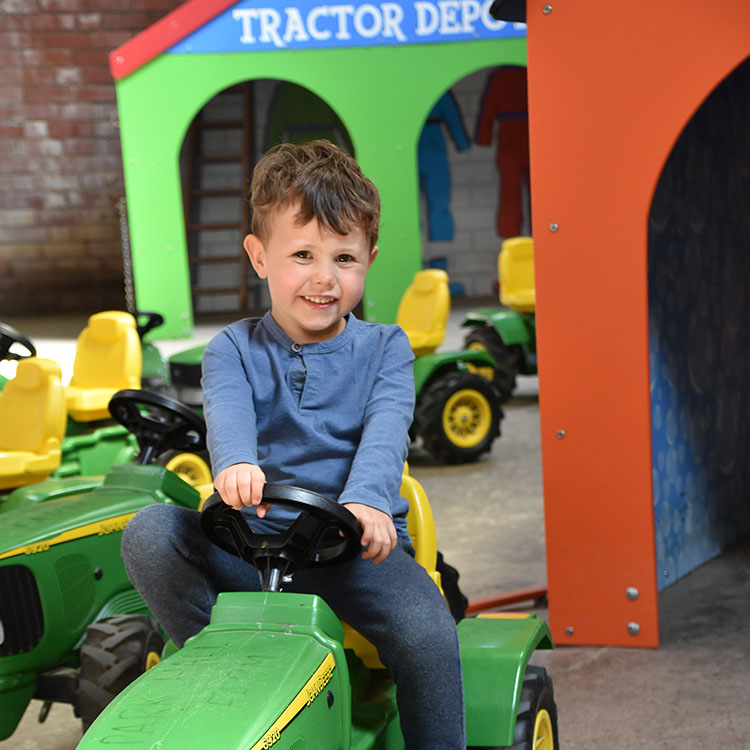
x=515 y=268
x=107 y=359
x=424 y=309
x=32 y=423
x=422 y=531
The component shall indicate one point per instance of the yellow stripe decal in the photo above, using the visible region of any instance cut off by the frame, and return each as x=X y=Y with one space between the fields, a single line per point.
x=305 y=697
x=100 y=528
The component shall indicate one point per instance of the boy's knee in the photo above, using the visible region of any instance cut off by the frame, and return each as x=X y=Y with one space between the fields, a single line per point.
x=147 y=525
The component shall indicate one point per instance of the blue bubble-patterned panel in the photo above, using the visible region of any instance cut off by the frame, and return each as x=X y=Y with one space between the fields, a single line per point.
x=699 y=334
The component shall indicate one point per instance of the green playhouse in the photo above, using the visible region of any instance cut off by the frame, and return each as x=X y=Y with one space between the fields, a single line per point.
x=379 y=66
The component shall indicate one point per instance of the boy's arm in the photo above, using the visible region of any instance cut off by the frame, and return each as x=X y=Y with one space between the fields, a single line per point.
x=375 y=476
x=231 y=427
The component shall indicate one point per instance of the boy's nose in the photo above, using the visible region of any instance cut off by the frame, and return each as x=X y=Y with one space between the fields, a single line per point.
x=323 y=275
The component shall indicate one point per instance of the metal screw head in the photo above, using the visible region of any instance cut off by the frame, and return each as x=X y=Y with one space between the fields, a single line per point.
x=554 y=226
x=560 y=434
x=632 y=593
x=547 y=9
x=569 y=630
x=634 y=628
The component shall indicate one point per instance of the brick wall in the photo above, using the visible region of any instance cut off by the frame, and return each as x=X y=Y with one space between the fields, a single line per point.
x=60 y=165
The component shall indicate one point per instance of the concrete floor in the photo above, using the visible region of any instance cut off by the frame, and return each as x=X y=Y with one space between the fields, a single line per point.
x=689 y=693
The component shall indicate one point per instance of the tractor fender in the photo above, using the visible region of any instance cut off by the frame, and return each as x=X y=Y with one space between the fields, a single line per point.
x=16 y=690
x=267 y=663
x=495 y=650
x=512 y=327
x=425 y=367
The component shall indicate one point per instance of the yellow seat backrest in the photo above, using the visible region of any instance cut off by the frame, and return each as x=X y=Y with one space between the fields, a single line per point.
x=515 y=268
x=107 y=359
x=424 y=309
x=422 y=531
x=32 y=423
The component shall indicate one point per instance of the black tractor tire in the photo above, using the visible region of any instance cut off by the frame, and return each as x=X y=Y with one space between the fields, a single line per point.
x=116 y=651
x=508 y=358
x=536 y=719
x=458 y=417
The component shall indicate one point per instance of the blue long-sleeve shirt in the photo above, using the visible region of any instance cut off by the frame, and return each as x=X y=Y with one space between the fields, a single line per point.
x=332 y=417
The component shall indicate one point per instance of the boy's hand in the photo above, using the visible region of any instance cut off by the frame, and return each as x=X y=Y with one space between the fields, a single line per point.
x=241 y=485
x=379 y=533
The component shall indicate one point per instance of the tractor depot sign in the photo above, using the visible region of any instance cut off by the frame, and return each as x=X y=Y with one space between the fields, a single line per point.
x=252 y=26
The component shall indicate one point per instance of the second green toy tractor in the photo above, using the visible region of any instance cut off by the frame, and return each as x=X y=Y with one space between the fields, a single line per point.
x=508 y=333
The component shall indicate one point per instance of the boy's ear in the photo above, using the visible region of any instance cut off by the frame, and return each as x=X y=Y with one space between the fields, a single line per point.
x=257 y=254
x=373 y=255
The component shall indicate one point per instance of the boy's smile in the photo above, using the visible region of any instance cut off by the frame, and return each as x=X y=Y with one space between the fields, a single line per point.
x=315 y=277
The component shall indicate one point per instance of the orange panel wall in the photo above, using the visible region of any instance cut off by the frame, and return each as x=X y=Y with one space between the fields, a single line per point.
x=611 y=85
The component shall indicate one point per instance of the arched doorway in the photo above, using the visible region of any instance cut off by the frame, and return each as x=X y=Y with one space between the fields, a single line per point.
x=699 y=341
x=224 y=141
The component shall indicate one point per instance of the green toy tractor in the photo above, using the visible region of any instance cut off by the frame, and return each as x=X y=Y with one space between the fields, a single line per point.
x=72 y=628
x=508 y=334
x=275 y=669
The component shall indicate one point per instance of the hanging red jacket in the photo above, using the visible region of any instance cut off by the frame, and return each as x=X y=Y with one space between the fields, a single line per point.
x=505 y=100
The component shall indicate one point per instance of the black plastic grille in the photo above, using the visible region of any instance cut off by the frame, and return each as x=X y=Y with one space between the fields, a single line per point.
x=21 y=619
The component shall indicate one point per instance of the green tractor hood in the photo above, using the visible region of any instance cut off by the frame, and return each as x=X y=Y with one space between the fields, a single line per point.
x=37 y=517
x=270 y=668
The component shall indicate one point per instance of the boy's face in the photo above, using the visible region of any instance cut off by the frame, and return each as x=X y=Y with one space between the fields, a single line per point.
x=314 y=277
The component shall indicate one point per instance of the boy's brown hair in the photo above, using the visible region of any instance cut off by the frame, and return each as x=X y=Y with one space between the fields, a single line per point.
x=326 y=181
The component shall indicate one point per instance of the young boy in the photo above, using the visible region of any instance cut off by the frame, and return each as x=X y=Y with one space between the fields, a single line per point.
x=311 y=396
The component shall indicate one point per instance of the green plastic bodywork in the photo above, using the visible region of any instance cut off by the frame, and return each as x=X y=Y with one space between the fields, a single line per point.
x=428 y=366
x=514 y=328
x=67 y=532
x=231 y=682
x=93 y=448
x=494 y=655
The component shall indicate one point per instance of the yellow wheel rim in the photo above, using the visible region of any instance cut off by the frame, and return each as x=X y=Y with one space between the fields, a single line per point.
x=543 y=735
x=191 y=468
x=152 y=659
x=467 y=418
x=487 y=372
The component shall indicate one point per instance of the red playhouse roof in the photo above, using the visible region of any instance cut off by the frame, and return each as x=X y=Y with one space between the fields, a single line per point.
x=163 y=34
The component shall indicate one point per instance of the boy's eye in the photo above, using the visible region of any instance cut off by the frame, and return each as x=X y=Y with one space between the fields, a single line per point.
x=302 y=254
x=345 y=258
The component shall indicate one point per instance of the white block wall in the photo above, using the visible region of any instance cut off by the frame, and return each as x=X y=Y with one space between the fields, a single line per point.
x=475 y=185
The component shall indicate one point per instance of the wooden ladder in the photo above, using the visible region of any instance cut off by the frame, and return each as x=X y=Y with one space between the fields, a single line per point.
x=199 y=189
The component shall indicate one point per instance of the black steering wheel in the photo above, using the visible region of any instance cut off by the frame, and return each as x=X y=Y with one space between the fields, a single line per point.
x=10 y=336
x=323 y=533
x=158 y=423
x=153 y=320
